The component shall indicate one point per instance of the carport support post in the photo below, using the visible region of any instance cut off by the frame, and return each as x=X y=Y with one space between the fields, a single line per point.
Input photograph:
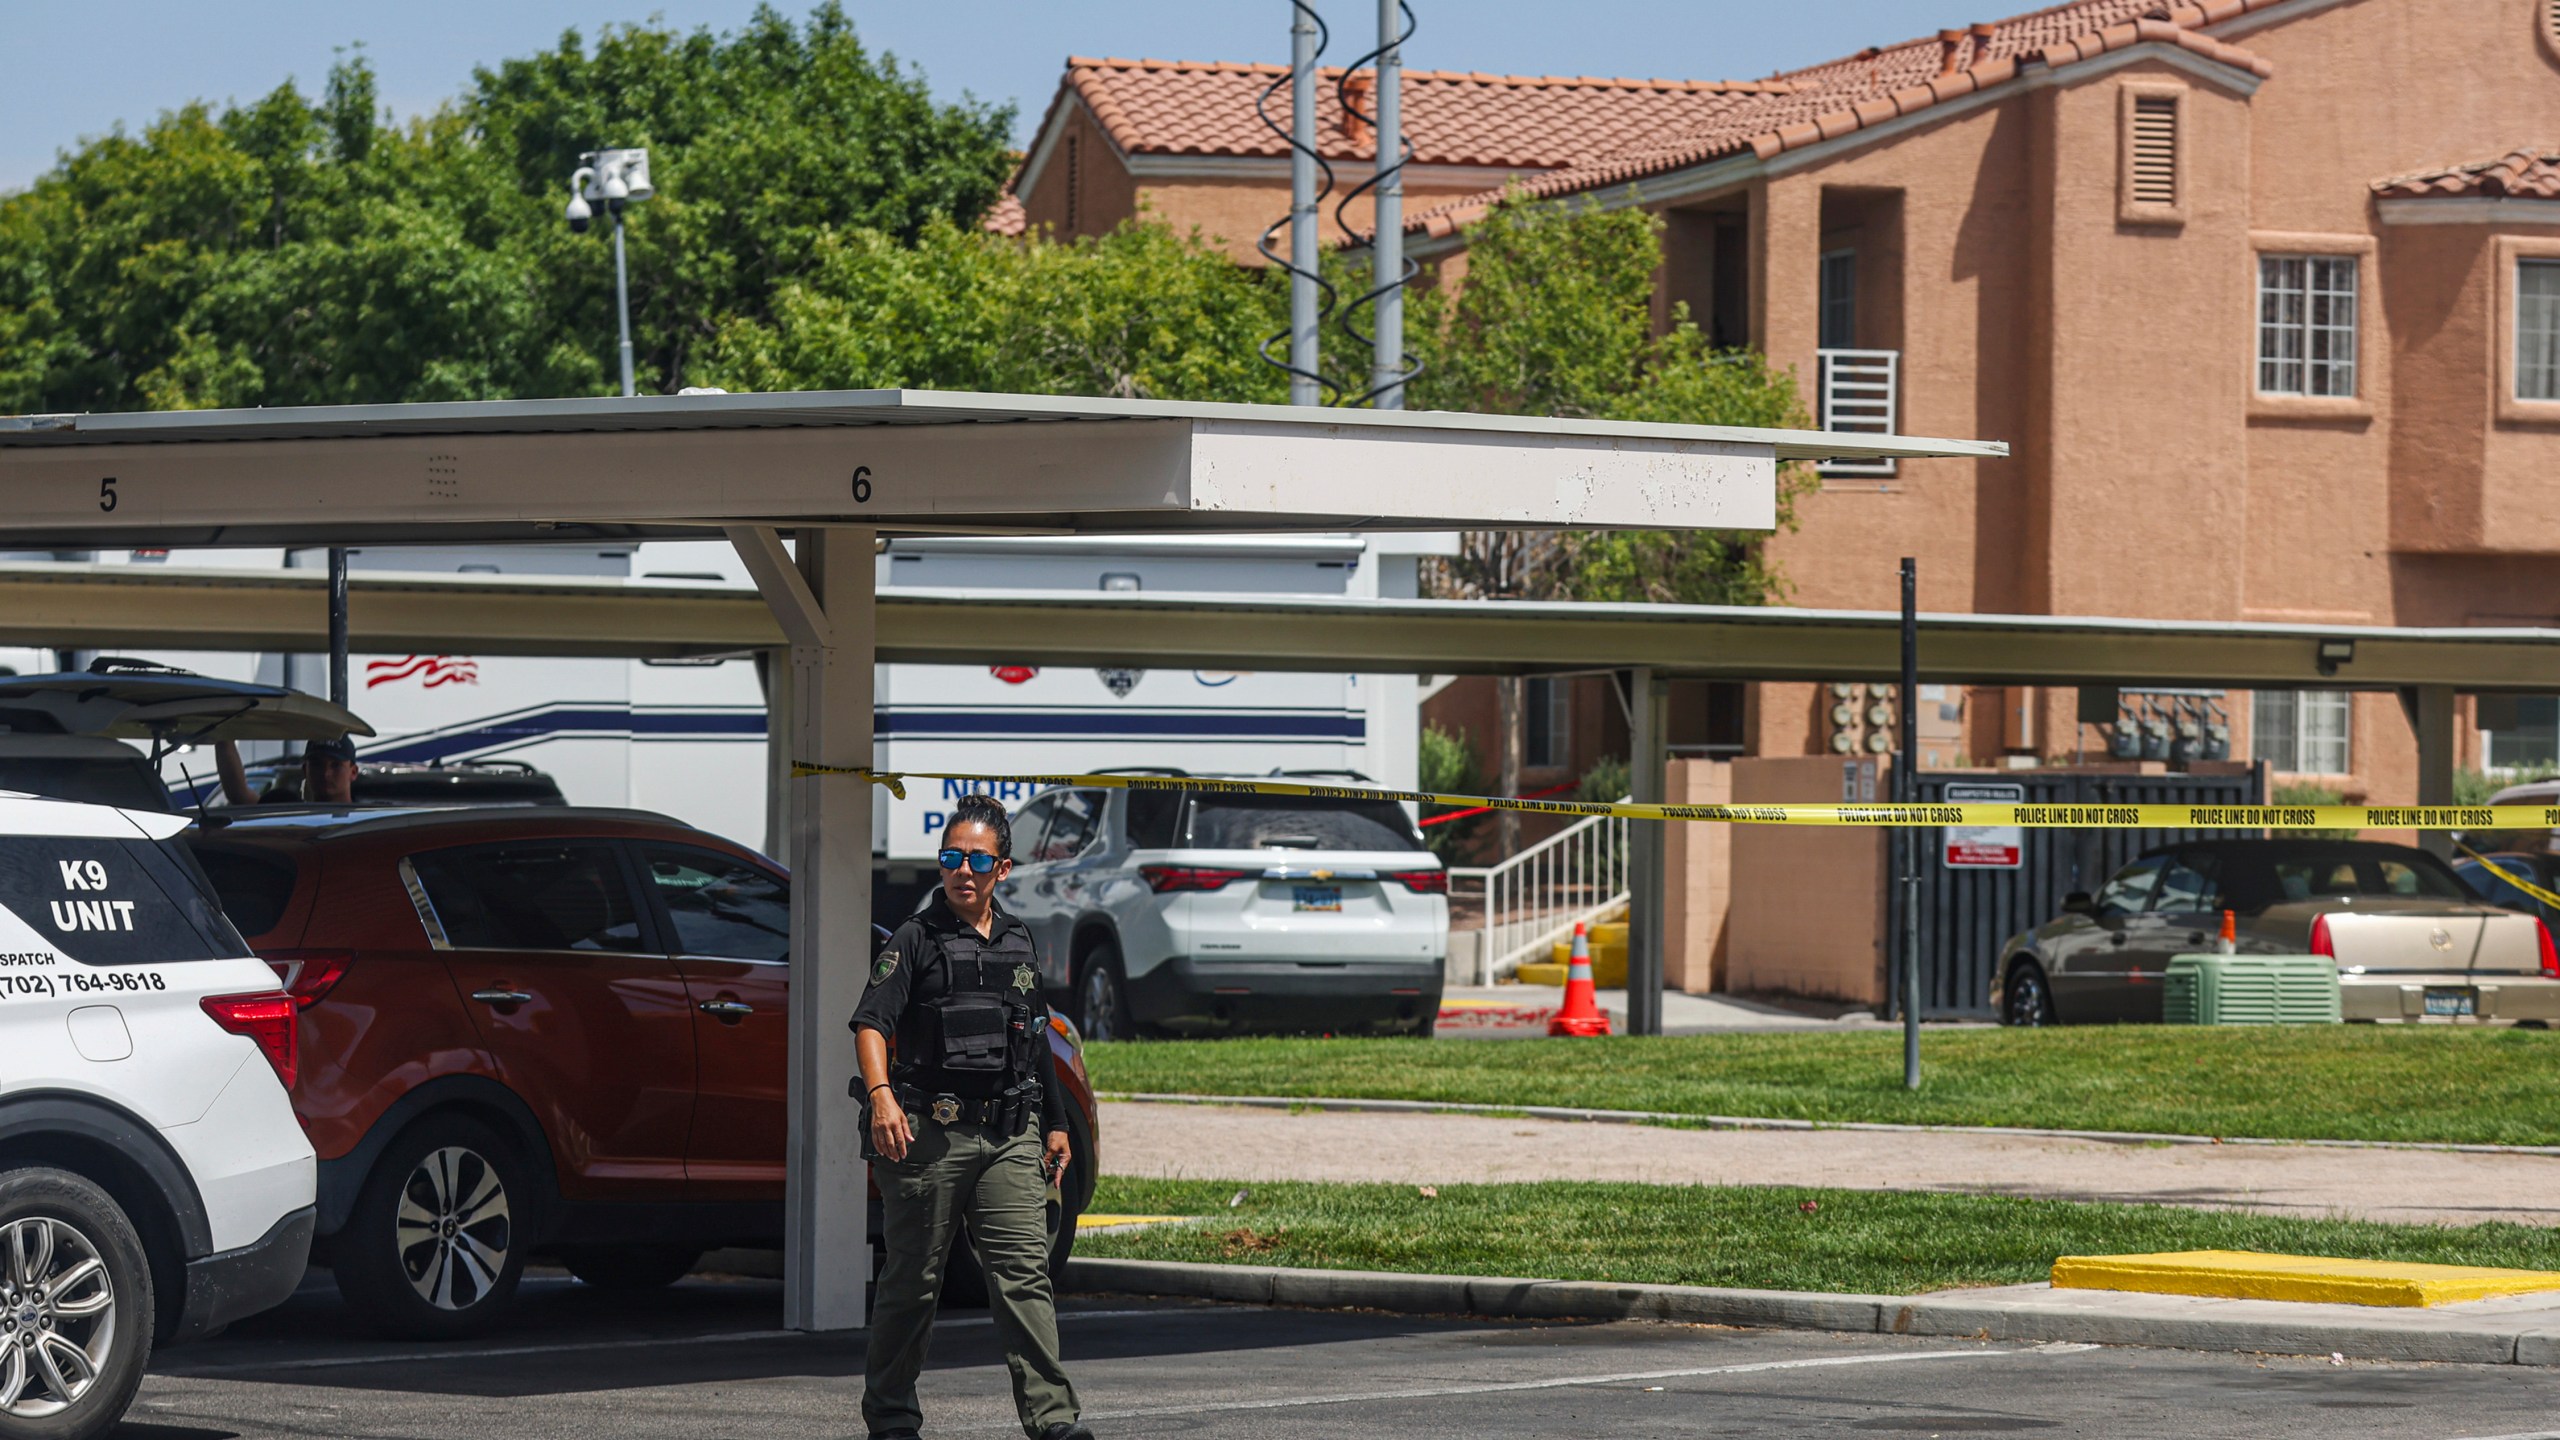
x=822 y=598
x=1906 y=841
x=2430 y=710
x=1649 y=709
x=337 y=625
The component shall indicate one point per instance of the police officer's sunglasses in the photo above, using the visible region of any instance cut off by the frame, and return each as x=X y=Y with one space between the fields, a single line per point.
x=978 y=861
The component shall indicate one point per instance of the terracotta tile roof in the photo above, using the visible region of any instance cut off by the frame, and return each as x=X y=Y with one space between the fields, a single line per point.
x=1525 y=122
x=1006 y=216
x=2531 y=173
x=1824 y=102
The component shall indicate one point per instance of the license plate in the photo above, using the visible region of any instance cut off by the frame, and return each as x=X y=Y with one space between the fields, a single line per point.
x=1318 y=897
x=2451 y=1002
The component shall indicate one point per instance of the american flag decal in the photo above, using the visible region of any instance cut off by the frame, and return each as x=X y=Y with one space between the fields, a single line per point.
x=430 y=671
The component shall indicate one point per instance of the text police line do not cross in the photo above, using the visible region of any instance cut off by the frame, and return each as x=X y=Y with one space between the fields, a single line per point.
x=2032 y=816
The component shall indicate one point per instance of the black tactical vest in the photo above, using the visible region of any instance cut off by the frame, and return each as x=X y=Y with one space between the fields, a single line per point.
x=973 y=1019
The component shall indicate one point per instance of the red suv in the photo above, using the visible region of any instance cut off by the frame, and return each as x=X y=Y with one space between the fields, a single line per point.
x=552 y=1030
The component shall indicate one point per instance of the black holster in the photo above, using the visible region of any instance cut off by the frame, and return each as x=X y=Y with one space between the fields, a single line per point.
x=1021 y=1106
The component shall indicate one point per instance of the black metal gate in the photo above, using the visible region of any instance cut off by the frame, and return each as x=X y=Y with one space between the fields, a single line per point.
x=1967 y=914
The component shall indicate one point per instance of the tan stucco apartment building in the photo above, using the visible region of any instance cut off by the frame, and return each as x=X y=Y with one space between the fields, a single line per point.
x=2265 y=294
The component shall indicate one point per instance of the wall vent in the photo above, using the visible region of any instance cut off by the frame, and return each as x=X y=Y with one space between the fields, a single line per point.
x=2155 y=149
x=2151 y=184
x=2550 y=23
x=1075 y=187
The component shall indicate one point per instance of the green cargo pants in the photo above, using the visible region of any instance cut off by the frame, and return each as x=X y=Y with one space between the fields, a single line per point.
x=952 y=1171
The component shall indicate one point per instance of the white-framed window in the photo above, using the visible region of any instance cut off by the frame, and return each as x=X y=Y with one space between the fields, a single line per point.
x=2307 y=325
x=2538 y=329
x=2301 y=732
x=1546 y=720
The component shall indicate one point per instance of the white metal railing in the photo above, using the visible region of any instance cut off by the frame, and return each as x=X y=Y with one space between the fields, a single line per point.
x=1535 y=898
x=1861 y=394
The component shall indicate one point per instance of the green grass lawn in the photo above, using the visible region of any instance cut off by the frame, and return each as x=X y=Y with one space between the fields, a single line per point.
x=1856 y=1241
x=2341 y=1082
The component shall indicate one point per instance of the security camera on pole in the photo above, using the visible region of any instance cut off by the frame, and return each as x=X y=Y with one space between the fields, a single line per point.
x=617 y=178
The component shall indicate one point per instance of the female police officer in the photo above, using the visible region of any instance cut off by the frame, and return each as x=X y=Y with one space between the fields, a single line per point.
x=958 y=988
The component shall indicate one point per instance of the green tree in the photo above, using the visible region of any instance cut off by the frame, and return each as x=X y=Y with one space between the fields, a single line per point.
x=1447 y=765
x=763 y=145
x=277 y=253
x=1139 y=313
x=1555 y=316
x=292 y=252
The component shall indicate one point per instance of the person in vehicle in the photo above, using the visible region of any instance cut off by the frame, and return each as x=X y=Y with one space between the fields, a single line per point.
x=328 y=774
x=958 y=989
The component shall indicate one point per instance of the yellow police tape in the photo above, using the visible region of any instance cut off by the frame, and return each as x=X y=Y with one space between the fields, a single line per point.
x=1970 y=813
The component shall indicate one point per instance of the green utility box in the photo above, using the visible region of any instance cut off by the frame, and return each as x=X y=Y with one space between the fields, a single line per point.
x=2251 y=990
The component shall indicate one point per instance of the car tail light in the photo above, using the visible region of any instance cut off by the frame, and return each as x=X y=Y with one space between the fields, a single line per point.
x=1424 y=882
x=1165 y=879
x=309 y=975
x=2550 y=956
x=2321 y=944
x=268 y=1020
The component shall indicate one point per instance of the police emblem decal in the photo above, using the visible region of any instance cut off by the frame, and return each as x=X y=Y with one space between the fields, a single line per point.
x=880 y=970
x=1024 y=978
x=946 y=1111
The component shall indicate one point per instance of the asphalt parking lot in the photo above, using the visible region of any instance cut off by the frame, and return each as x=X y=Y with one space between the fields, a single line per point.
x=704 y=1359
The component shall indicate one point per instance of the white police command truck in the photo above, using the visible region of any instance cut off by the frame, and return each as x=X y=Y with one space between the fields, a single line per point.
x=688 y=738
x=154 y=1185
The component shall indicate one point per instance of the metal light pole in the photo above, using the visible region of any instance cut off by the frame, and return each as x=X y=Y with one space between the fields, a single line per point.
x=1305 y=248
x=622 y=300
x=618 y=178
x=1386 y=275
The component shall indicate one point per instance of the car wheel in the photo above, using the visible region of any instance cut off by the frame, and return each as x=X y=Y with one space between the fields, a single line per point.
x=1102 y=1004
x=631 y=1267
x=75 y=1307
x=435 y=1243
x=1083 y=1168
x=2026 y=999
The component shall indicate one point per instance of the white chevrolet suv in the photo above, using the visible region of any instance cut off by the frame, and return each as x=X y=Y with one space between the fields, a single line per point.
x=1199 y=911
x=154 y=1185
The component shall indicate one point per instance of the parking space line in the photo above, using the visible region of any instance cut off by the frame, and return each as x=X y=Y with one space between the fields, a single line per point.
x=1563 y=1382
x=411 y=1357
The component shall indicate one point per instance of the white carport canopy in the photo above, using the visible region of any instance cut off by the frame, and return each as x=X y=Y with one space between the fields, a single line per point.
x=895 y=460
x=838 y=469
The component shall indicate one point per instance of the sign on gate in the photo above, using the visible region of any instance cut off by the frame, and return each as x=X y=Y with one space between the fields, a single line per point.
x=1985 y=847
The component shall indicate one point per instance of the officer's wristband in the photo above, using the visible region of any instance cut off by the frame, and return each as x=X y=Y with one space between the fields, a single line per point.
x=867 y=1094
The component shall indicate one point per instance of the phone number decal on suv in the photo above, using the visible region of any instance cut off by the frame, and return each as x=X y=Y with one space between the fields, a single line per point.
x=39 y=985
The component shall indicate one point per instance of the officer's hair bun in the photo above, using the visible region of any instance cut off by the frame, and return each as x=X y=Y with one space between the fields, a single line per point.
x=984 y=810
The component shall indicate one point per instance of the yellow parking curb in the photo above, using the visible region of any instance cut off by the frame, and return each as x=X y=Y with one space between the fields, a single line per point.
x=2243 y=1275
x=1124 y=1222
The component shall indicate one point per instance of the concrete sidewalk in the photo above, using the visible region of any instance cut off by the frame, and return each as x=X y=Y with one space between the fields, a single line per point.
x=2522 y=1330
x=1237 y=1142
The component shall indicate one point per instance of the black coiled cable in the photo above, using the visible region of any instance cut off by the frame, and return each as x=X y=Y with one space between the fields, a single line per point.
x=1408 y=366
x=1324 y=287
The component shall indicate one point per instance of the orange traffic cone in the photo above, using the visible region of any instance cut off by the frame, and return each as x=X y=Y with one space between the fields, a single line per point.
x=1581 y=1014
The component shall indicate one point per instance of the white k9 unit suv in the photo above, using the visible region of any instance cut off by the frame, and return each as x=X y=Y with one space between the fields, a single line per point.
x=154 y=1185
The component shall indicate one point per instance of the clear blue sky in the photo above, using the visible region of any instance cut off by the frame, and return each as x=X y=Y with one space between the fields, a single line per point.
x=78 y=70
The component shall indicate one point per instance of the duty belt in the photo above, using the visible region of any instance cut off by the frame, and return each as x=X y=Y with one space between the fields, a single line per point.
x=1005 y=1112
